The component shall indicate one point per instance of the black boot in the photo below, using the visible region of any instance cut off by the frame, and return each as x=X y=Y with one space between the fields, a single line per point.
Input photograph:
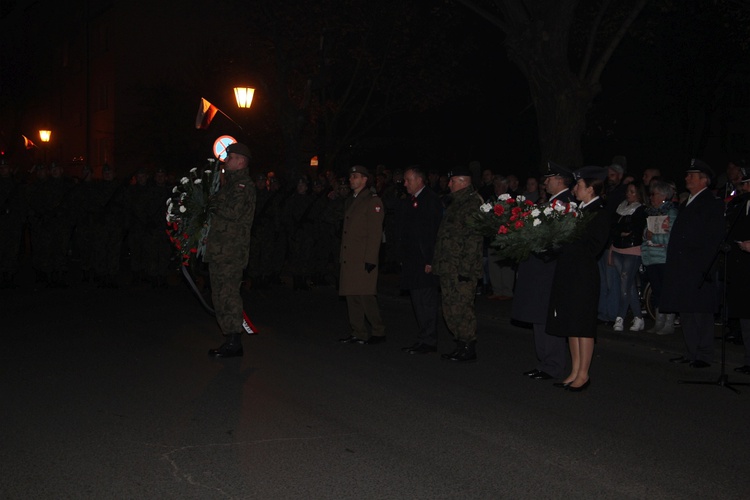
x=231 y=347
x=450 y=355
x=466 y=352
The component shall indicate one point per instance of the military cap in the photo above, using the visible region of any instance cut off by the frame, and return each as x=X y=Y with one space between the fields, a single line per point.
x=239 y=149
x=359 y=169
x=591 y=172
x=555 y=170
x=700 y=167
x=619 y=164
x=459 y=172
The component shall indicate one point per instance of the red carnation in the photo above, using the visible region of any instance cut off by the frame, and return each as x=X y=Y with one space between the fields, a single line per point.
x=519 y=224
x=510 y=201
x=529 y=202
x=499 y=210
x=503 y=229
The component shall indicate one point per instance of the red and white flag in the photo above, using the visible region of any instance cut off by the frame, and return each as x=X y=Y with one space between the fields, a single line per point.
x=206 y=113
x=27 y=143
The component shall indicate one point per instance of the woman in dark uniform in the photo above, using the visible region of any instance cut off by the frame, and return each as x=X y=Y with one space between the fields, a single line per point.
x=575 y=288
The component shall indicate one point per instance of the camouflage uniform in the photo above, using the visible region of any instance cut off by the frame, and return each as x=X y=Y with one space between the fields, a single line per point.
x=458 y=263
x=228 y=246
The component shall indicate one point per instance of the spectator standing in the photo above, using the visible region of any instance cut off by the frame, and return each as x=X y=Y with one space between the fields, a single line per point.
x=738 y=264
x=627 y=236
x=654 y=248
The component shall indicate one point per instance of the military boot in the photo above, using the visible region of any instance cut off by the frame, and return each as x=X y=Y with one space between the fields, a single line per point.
x=231 y=347
x=466 y=352
x=459 y=346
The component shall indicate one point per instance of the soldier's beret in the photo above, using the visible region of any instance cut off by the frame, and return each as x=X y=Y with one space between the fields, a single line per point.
x=591 y=172
x=459 y=172
x=239 y=149
x=700 y=166
x=359 y=169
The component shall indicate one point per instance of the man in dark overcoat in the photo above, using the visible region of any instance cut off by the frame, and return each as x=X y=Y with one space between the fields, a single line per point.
x=419 y=219
x=227 y=246
x=689 y=281
x=360 y=246
x=534 y=285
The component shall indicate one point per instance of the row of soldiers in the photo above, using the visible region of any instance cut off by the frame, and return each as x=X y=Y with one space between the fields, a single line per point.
x=92 y=222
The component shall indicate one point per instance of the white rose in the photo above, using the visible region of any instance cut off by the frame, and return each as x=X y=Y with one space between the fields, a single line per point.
x=559 y=207
x=208 y=172
x=486 y=207
x=183 y=209
x=193 y=170
x=535 y=212
x=504 y=196
x=174 y=189
x=197 y=181
x=520 y=198
x=548 y=211
x=170 y=207
x=537 y=222
x=184 y=180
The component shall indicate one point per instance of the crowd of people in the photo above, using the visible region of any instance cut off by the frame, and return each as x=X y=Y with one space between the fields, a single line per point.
x=691 y=247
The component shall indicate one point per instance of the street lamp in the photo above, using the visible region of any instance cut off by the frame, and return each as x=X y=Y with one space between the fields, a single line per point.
x=45 y=135
x=244 y=96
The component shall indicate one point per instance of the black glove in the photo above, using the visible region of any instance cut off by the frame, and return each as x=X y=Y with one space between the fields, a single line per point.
x=463 y=279
x=369 y=267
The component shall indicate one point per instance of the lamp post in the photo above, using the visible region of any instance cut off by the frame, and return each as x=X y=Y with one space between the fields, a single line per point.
x=244 y=96
x=44 y=136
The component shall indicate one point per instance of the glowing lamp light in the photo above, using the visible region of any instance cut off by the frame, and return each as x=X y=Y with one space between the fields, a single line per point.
x=314 y=161
x=45 y=135
x=244 y=96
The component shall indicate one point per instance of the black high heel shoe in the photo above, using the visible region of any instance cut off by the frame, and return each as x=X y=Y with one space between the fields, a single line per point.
x=579 y=389
x=561 y=385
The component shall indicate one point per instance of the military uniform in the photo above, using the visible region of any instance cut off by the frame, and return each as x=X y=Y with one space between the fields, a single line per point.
x=360 y=246
x=458 y=263
x=227 y=251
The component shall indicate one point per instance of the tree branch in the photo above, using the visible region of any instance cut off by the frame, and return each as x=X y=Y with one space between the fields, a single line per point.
x=596 y=73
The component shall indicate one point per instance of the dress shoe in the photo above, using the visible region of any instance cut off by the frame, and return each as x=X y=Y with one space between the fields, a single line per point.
x=562 y=385
x=699 y=364
x=411 y=347
x=375 y=339
x=743 y=369
x=351 y=339
x=581 y=388
x=422 y=349
x=538 y=375
x=681 y=359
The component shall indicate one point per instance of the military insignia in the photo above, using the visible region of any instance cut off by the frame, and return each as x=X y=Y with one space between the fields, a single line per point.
x=415 y=204
x=377 y=209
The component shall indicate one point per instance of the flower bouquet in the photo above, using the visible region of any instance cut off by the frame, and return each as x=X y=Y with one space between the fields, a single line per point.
x=189 y=211
x=519 y=228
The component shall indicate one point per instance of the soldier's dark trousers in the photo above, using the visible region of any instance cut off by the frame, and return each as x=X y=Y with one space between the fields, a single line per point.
x=226 y=277
x=361 y=308
x=458 y=308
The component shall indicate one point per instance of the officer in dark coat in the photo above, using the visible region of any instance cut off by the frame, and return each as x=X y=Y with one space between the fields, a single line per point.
x=227 y=247
x=360 y=246
x=534 y=285
x=689 y=284
x=418 y=221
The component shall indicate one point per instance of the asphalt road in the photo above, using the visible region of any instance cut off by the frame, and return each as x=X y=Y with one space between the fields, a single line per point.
x=110 y=394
